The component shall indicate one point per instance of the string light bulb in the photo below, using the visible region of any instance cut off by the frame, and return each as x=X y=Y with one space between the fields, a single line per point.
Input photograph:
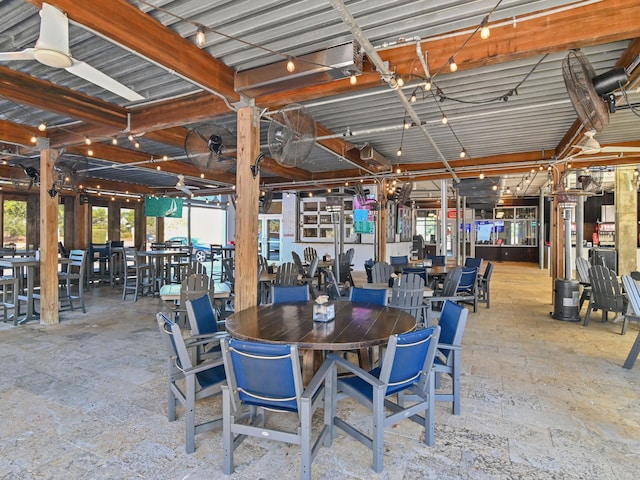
x=400 y=81
x=463 y=153
x=399 y=152
x=481 y=176
x=114 y=141
x=33 y=139
x=201 y=38
x=413 y=98
x=484 y=28
x=427 y=84
x=87 y=140
x=452 y=65
x=42 y=127
x=130 y=137
x=353 y=79
x=444 y=120
x=291 y=67
x=494 y=187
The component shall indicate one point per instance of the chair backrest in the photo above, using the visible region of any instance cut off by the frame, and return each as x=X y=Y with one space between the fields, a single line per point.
x=582 y=270
x=408 y=294
x=436 y=260
x=309 y=254
x=416 y=270
x=313 y=267
x=468 y=280
x=194 y=286
x=605 y=289
x=632 y=291
x=471 y=262
x=197 y=267
x=399 y=259
x=344 y=263
x=298 y=262
x=263 y=263
x=62 y=251
x=488 y=271
x=228 y=265
x=451 y=282
x=173 y=342
x=376 y=296
x=333 y=287
x=286 y=294
x=287 y=274
x=77 y=258
x=350 y=254
x=262 y=375
x=453 y=320
x=202 y=317
x=381 y=272
x=409 y=359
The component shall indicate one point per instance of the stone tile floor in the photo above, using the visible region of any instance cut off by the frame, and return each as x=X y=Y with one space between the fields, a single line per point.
x=542 y=399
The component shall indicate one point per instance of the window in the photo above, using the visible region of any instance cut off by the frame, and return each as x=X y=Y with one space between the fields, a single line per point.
x=61 y=222
x=127 y=226
x=99 y=224
x=510 y=226
x=14 y=230
x=427 y=225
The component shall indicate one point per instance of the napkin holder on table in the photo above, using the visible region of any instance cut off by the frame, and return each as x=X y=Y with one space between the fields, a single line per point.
x=323 y=310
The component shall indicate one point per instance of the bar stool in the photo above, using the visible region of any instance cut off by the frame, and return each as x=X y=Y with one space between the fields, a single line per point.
x=9 y=298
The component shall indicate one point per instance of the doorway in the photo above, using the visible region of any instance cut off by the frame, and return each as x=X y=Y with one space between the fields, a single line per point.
x=270 y=236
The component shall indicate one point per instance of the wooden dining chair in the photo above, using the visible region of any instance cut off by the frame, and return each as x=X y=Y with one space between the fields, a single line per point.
x=71 y=279
x=605 y=295
x=408 y=295
x=287 y=275
x=381 y=272
x=309 y=254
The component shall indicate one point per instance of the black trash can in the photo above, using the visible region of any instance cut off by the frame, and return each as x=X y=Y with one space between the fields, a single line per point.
x=567 y=300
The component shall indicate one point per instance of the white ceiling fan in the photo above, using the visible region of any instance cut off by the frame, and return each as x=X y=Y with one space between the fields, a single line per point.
x=183 y=187
x=52 y=49
x=591 y=146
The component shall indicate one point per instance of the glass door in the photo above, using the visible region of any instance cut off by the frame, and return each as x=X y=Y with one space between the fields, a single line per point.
x=270 y=236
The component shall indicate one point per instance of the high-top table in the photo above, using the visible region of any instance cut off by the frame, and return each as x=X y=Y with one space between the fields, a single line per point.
x=356 y=326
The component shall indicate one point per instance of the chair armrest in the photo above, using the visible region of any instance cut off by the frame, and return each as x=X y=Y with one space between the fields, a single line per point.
x=201 y=367
x=447 y=346
x=364 y=375
x=318 y=380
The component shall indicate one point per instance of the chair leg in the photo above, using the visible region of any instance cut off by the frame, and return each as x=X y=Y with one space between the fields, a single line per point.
x=378 y=415
x=633 y=353
x=190 y=413
x=587 y=316
x=455 y=378
x=227 y=433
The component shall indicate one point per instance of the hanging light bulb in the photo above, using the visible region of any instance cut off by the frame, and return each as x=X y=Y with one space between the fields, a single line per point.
x=130 y=137
x=481 y=176
x=137 y=144
x=202 y=175
x=114 y=141
x=90 y=152
x=494 y=188
x=463 y=153
x=508 y=192
x=518 y=188
x=87 y=140
x=34 y=139
x=484 y=28
x=42 y=127
x=540 y=168
x=398 y=170
x=445 y=120
x=413 y=98
x=291 y=67
x=427 y=84
x=406 y=125
x=158 y=167
x=400 y=81
x=399 y=152
x=353 y=79
x=201 y=39
x=452 y=65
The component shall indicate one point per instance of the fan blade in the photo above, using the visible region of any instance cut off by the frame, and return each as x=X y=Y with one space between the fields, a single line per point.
x=54 y=30
x=614 y=149
x=26 y=54
x=210 y=160
x=90 y=74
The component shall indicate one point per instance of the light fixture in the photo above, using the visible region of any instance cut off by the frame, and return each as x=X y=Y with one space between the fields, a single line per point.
x=398 y=170
x=463 y=153
x=130 y=137
x=136 y=144
x=508 y=192
x=452 y=65
x=353 y=79
x=540 y=168
x=33 y=139
x=202 y=175
x=158 y=167
x=406 y=125
x=114 y=141
x=90 y=152
x=518 y=188
x=484 y=28
x=481 y=176
x=445 y=120
x=399 y=152
x=200 y=36
x=165 y=158
x=400 y=81
x=291 y=67
x=87 y=140
x=568 y=164
x=427 y=84
x=494 y=188
x=533 y=170
x=42 y=127
x=413 y=98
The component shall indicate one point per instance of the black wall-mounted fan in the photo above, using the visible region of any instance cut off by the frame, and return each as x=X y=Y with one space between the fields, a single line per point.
x=68 y=172
x=590 y=94
x=207 y=144
x=265 y=201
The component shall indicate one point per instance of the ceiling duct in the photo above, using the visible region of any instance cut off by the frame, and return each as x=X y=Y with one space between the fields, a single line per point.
x=324 y=66
x=376 y=161
x=479 y=193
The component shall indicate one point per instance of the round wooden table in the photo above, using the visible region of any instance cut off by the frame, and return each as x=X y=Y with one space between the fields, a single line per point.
x=356 y=326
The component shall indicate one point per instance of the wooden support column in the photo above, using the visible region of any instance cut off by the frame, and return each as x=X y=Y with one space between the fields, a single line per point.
x=381 y=227
x=48 y=242
x=247 y=197
x=626 y=220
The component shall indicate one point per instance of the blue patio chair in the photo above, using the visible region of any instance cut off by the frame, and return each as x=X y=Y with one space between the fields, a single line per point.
x=436 y=260
x=377 y=296
x=399 y=259
x=406 y=367
x=204 y=324
x=189 y=383
x=267 y=377
x=287 y=294
x=417 y=270
x=452 y=322
x=468 y=287
x=471 y=262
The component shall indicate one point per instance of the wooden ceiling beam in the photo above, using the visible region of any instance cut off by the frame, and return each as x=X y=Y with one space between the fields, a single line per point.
x=18 y=134
x=127 y=25
x=25 y=89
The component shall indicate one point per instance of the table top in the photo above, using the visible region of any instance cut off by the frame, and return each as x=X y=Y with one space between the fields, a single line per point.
x=355 y=325
x=26 y=261
x=172 y=291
